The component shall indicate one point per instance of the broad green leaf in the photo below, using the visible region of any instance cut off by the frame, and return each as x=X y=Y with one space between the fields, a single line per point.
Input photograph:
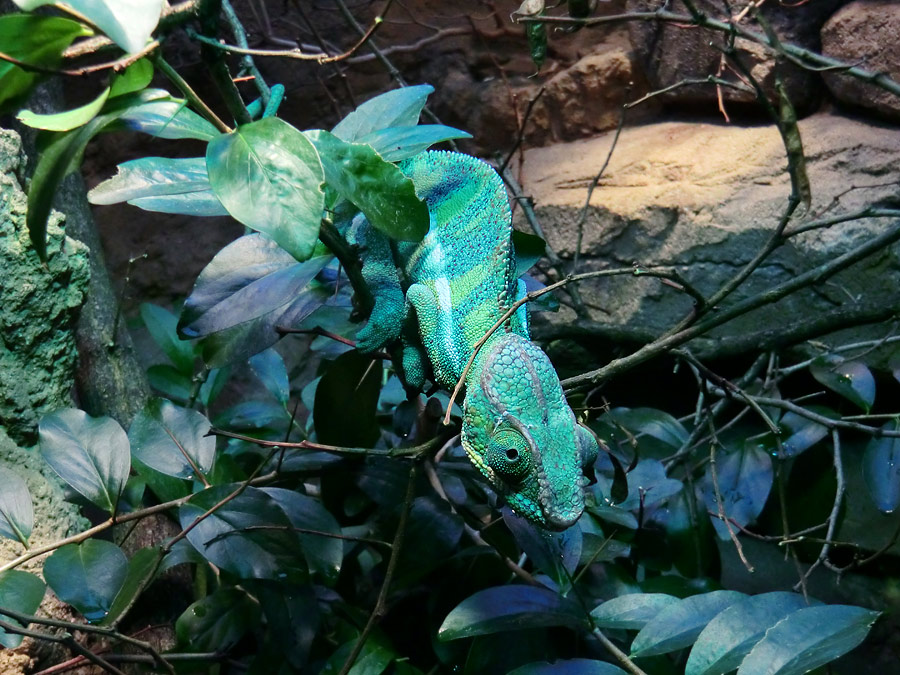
x=162 y=326
x=851 y=379
x=91 y=454
x=569 y=667
x=16 y=510
x=87 y=576
x=397 y=143
x=214 y=384
x=163 y=185
x=36 y=40
x=346 y=401
x=678 y=626
x=807 y=639
x=730 y=636
x=374 y=659
x=169 y=118
x=141 y=569
x=249 y=536
x=529 y=249
x=247 y=279
x=292 y=618
x=690 y=535
x=270 y=369
x=128 y=23
x=67 y=120
x=377 y=188
x=631 y=611
x=324 y=554
x=19 y=592
x=172 y=440
x=62 y=154
x=268 y=176
x=218 y=621
x=513 y=607
x=135 y=77
x=433 y=533
x=881 y=469
x=396 y=108
x=745 y=479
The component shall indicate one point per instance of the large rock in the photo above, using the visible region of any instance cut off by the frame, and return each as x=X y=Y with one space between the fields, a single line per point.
x=705 y=198
x=39 y=307
x=865 y=34
x=672 y=53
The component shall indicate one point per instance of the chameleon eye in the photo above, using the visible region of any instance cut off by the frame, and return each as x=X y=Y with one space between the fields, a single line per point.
x=509 y=456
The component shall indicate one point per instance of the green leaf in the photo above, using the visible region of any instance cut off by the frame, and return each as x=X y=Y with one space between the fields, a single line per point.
x=61 y=155
x=249 y=536
x=398 y=143
x=141 y=570
x=16 y=510
x=270 y=369
x=346 y=402
x=556 y=554
x=163 y=328
x=529 y=249
x=67 y=120
x=268 y=176
x=161 y=184
x=679 y=625
x=172 y=440
x=800 y=433
x=218 y=621
x=169 y=118
x=396 y=108
x=513 y=607
x=170 y=382
x=881 y=469
x=247 y=279
x=651 y=422
x=851 y=379
x=745 y=479
x=36 y=40
x=87 y=576
x=20 y=592
x=377 y=188
x=730 y=636
x=135 y=77
x=569 y=667
x=89 y=453
x=807 y=639
x=631 y=611
x=128 y=23
x=324 y=554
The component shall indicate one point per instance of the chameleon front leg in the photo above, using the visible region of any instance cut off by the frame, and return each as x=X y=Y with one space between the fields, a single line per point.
x=438 y=332
x=380 y=273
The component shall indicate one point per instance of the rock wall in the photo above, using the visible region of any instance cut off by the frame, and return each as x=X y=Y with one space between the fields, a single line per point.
x=39 y=307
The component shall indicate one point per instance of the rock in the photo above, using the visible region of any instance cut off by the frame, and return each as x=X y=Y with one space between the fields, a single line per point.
x=672 y=53
x=865 y=35
x=39 y=307
x=704 y=198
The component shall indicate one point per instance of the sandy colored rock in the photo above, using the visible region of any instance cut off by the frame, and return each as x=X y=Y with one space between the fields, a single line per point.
x=673 y=53
x=39 y=307
x=865 y=34
x=704 y=198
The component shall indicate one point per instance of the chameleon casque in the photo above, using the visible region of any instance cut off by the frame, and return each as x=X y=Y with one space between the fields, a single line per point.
x=439 y=297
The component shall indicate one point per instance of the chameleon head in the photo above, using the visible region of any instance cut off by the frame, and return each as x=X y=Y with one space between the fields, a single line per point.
x=522 y=435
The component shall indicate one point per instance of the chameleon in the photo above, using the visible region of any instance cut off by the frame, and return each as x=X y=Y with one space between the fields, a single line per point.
x=439 y=297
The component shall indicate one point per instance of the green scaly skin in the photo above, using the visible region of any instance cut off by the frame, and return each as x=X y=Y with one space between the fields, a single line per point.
x=439 y=297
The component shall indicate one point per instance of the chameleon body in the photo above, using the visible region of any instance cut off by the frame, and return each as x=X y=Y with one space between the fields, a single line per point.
x=439 y=297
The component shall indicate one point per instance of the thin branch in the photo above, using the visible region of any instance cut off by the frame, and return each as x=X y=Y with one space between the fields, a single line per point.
x=191 y=95
x=620 y=656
